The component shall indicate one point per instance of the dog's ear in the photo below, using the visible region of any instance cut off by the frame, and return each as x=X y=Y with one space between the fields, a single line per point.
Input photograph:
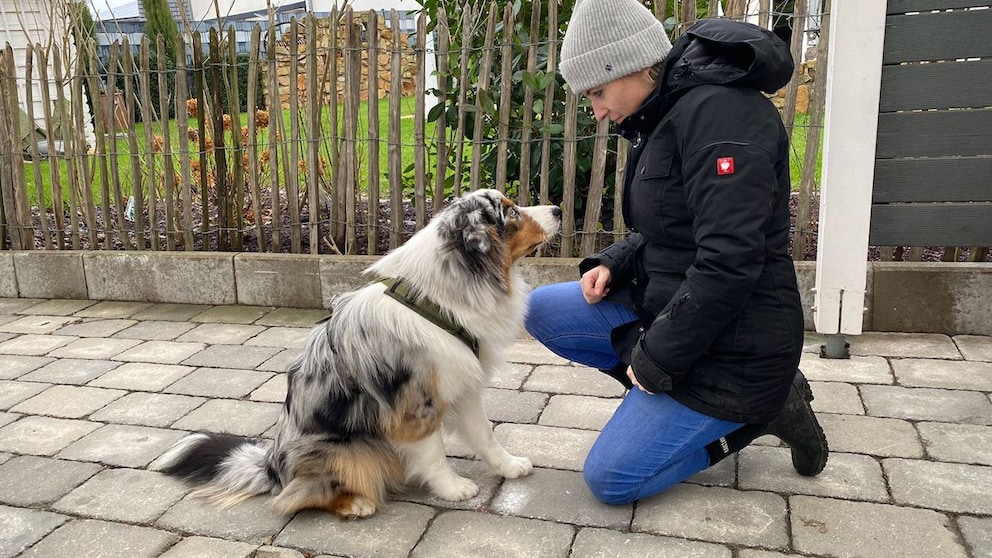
x=470 y=220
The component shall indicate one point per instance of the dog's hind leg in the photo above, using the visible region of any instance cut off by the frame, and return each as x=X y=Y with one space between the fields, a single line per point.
x=469 y=420
x=425 y=461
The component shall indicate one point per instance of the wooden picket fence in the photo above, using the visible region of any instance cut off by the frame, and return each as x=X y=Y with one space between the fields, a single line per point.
x=308 y=178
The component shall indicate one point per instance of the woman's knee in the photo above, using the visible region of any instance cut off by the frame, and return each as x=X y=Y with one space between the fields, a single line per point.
x=607 y=484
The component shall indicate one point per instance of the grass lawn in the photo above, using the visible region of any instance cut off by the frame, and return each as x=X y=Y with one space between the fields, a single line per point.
x=124 y=160
x=122 y=152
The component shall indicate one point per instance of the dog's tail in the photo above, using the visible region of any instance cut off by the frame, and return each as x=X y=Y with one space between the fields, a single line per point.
x=231 y=469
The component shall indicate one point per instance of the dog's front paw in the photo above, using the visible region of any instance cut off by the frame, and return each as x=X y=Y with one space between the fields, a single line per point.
x=456 y=489
x=515 y=467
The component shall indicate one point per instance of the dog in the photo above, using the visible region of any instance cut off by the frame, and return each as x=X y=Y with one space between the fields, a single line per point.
x=396 y=360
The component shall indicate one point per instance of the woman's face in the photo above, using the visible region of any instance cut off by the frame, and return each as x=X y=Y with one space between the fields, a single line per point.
x=622 y=97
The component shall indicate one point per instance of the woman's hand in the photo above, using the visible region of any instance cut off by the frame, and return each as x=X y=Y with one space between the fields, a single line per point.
x=633 y=380
x=594 y=283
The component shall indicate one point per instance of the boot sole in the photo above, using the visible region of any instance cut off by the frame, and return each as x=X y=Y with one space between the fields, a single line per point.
x=804 y=389
x=802 y=386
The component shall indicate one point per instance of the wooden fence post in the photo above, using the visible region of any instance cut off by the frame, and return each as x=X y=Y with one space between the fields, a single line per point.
x=11 y=161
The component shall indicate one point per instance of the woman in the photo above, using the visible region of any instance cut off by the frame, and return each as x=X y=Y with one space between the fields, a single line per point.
x=697 y=311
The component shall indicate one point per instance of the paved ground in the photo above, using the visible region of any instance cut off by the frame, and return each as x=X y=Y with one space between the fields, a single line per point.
x=92 y=393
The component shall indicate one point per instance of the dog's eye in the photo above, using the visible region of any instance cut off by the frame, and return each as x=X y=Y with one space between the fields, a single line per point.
x=512 y=213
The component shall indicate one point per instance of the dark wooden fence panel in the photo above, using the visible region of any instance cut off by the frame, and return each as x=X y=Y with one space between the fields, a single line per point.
x=946 y=224
x=926 y=180
x=934 y=148
x=936 y=86
x=937 y=36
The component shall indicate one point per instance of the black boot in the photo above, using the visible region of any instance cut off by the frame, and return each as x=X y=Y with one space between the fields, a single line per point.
x=796 y=425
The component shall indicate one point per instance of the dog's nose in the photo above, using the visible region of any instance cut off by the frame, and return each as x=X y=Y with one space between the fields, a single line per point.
x=556 y=211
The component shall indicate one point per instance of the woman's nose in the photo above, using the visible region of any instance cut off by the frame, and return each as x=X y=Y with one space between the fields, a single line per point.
x=598 y=110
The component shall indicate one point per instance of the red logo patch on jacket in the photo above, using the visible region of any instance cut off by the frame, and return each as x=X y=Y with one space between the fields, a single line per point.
x=725 y=165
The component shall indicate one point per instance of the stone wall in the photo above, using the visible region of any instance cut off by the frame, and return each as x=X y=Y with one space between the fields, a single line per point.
x=807 y=74
x=337 y=86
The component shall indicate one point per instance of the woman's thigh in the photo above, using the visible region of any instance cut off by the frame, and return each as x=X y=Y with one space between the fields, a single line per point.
x=560 y=318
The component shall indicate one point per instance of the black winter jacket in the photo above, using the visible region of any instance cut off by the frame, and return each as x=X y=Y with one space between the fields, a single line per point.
x=706 y=197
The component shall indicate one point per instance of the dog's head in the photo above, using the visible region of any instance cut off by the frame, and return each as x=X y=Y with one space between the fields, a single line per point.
x=487 y=223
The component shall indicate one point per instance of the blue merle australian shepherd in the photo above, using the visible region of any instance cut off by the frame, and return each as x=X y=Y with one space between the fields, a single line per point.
x=396 y=359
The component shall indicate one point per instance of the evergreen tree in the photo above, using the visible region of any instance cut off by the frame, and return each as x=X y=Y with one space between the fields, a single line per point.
x=159 y=21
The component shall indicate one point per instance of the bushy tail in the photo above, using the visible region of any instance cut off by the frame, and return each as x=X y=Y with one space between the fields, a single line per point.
x=232 y=469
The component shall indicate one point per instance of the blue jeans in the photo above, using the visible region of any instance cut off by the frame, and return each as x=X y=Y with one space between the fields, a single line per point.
x=652 y=442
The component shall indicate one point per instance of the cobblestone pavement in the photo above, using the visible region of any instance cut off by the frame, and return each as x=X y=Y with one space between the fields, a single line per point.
x=91 y=393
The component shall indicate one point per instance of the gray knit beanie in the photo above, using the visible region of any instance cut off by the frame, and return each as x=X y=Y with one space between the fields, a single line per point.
x=609 y=39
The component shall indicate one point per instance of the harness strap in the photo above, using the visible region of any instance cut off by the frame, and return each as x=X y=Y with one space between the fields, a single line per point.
x=401 y=291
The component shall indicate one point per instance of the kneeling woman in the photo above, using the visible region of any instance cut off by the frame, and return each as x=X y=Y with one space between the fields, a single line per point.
x=698 y=310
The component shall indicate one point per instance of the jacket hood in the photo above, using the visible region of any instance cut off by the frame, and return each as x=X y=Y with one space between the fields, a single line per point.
x=724 y=52
x=714 y=51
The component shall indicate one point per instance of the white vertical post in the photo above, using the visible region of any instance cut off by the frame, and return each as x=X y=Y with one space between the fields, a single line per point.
x=854 y=70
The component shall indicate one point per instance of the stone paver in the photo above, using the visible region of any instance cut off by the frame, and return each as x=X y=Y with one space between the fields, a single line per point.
x=19 y=484
x=952 y=487
x=57 y=307
x=716 y=514
x=96 y=328
x=605 y=543
x=282 y=337
x=391 y=532
x=824 y=526
x=37 y=324
x=94 y=347
x=231 y=356
x=505 y=405
x=220 y=334
x=68 y=401
x=113 y=309
x=121 y=445
x=847 y=475
x=251 y=521
x=71 y=371
x=128 y=495
x=231 y=314
x=457 y=534
x=34 y=344
x=559 y=496
x=974 y=347
x=575 y=380
x=91 y=539
x=219 y=382
x=23 y=528
x=961 y=443
x=942 y=405
x=273 y=391
x=15 y=366
x=557 y=448
x=142 y=376
x=162 y=352
x=574 y=411
x=883 y=437
x=43 y=435
x=978 y=534
x=836 y=397
x=946 y=374
x=12 y=393
x=155 y=331
x=148 y=409
x=857 y=369
x=203 y=547
x=242 y=418
x=904 y=345
x=92 y=393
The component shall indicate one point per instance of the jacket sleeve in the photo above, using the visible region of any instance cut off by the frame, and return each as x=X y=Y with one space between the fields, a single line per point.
x=730 y=205
x=619 y=257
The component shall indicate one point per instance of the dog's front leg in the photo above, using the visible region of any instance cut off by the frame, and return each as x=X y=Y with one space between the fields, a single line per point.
x=471 y=423
x=425 y=462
